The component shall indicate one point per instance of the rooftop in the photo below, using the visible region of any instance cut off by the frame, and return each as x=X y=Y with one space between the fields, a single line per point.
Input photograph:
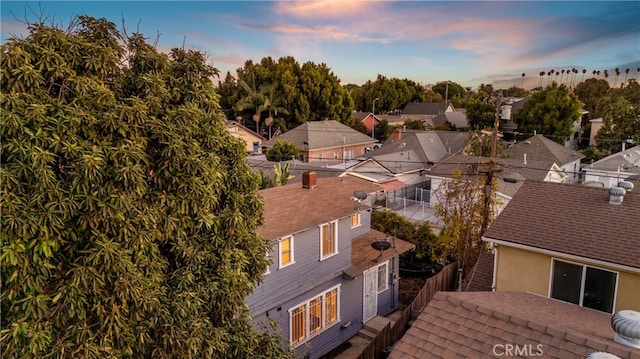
x=481 y=324
x=304 y=208
x=571 y=219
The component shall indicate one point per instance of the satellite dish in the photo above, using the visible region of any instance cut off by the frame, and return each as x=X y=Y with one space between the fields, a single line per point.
x=360 y=195
x=381 y=245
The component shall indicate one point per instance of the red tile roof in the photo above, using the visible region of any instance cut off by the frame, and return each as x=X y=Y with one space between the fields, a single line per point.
x=290 y=208
x=481 y=324
x=571 y=219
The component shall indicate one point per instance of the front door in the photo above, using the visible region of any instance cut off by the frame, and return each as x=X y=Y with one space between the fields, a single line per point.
x=370 y=295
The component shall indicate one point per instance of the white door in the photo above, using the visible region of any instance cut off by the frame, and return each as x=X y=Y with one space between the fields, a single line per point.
x=370 y=295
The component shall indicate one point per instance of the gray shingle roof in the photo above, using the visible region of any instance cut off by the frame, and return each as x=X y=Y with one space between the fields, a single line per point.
x=322 y=134
x=425 y=108
x=540 y=148
x=572 y=219
x=628 y=161
x=480 y=324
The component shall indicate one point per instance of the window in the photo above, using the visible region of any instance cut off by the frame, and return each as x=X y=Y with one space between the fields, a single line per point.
x=355 y=220
x=328 y=239
x=383 y=282
x=268 y=271
x=583 y=285
x=312 y=317
x=285 y=248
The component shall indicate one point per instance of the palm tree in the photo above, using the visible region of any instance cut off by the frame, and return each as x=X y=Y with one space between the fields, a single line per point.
x=562 y=75
x=598 y=72
x=638 y=72
x=253 y=100
x=626 y=74
x=617 y=70
x=542 y=73
x=549 y=74
x=584 y=71
x=595 y=73
x=273 y=101
x=523 y=75
x=606 y=75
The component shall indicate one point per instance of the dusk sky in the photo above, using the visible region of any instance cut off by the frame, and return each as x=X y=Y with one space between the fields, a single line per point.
x=470 y=43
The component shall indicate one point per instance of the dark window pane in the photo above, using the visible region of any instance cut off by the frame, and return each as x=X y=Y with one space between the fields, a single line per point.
x=599 y=287
x=567 y=279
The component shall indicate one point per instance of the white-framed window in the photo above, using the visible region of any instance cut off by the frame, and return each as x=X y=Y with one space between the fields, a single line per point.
x=328 y=239
x=584 y=285
x=383 y=277
x=285 y=251
x=355 y=220
x=312 y=317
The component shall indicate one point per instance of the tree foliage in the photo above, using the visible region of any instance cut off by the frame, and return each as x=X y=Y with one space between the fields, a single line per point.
x=282 y=150
x=590 y=92
x=551 y=112
x=462 y=204
x=480 y=112
x=129 y=213
x=399 y=226
x=621 y=123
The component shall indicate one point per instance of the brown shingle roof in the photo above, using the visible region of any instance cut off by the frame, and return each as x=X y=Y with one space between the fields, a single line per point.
x=470 y=324
x=480 y=277
x=571 y=219
x=322 y=134
x=291 y=208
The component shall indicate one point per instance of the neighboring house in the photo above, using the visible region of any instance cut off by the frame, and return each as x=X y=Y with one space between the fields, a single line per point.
x=400 y=164
x=457 y=120
x=541 y=149
x=326 y=278
x=509 y=175
x=326 y=141
x=252 y=140
x=427 y=109
x=569 y=242
x=624 y=165
x=596 y=125
x=368 y=119
x=508 y=325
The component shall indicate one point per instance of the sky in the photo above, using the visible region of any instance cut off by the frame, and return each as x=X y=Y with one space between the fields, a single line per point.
x=468 y=42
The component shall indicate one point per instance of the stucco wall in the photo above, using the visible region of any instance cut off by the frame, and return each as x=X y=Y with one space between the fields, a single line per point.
x=519 y=270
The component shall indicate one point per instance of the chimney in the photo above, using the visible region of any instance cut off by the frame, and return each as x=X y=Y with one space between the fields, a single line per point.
x=626 y=324
x=616 y=195
x=397 y=134
x=309 y=180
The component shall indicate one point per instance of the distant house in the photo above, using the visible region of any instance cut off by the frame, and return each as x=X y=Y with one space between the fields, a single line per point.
x=570 y=242
x=326 y=141
x=252 y=140
x=624 y=165
x=509 y=325
x=368 y=119
x=328 y=275
x=427 y=109
x=457 y=120
x=541 y=149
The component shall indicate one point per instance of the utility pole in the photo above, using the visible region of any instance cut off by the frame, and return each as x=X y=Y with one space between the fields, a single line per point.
x=492 y=167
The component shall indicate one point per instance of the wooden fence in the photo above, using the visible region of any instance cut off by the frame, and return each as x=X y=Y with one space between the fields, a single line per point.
x=445 y=280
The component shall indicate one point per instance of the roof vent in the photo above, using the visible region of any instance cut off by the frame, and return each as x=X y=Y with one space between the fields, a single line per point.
x=616 y=195
x=626 y=324
x=602 y=355
x=628 y=186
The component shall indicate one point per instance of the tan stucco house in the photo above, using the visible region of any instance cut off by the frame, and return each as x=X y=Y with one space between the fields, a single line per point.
x=574 y=243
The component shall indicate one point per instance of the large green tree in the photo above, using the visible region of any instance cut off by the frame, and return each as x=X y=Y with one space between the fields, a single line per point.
x=590 y=92
x=551 y=112
x=621 y=123
x=128 y=211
